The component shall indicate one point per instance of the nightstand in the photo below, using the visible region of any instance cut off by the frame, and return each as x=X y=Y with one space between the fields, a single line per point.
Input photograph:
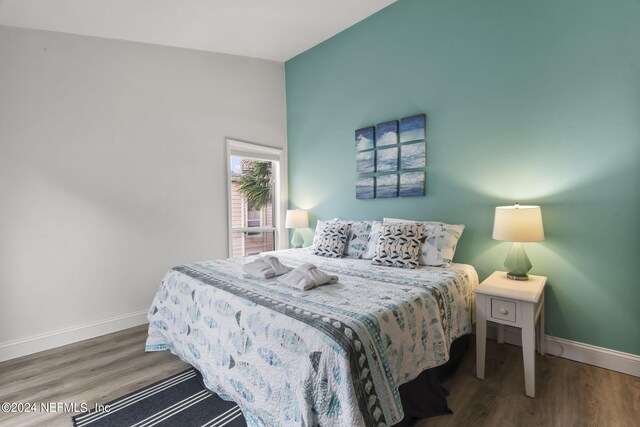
x=516 y=303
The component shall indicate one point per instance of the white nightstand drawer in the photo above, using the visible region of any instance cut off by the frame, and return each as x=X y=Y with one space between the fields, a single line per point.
x=503 y=309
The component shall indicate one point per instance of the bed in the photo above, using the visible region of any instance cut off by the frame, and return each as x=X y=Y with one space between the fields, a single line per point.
x=333 y=356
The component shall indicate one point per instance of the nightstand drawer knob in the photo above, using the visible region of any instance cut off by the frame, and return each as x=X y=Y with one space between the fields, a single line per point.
x=502 y=309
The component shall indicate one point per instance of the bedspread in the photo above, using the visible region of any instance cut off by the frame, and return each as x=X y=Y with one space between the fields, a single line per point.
x=331 y=356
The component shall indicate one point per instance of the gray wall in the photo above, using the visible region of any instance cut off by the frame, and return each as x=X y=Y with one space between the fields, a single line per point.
x=112 y=170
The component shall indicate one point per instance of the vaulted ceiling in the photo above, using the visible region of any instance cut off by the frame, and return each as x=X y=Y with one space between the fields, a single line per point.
x=269 y=29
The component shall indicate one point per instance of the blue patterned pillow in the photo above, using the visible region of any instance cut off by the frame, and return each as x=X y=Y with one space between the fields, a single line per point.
x=332 y=240
x=372 y=239
x=358 y=238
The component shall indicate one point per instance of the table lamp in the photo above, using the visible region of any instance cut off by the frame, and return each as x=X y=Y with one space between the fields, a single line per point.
x=518 y=224
x=296 y=219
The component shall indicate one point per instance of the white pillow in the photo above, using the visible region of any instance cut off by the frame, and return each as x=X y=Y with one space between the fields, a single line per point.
x=439 y=241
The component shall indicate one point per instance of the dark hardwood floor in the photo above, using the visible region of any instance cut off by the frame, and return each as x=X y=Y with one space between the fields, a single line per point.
x=101 y=369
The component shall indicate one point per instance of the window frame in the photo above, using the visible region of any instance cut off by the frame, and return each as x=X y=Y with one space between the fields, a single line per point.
x=264 y=153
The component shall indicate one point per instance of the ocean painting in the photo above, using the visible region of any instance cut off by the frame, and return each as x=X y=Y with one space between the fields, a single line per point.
x=387 y=160
x=365 y=162
x=364 y=138
x=412 y=156
x=412 y=128
x=387 y=186
x=412 y=184
x=387 y=133
x=365 y=188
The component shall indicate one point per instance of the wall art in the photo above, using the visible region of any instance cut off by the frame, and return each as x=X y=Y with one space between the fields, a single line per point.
x=387 y=133
x=365 y=187
x=365 y=138
x=387 y=159
x=413 y=128
x=412 y=184
x=412 y=156
x=387 y=186
x=365 y=162
x=391 y=159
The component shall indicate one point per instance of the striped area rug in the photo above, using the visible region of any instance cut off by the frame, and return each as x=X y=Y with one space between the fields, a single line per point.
x=180 y=400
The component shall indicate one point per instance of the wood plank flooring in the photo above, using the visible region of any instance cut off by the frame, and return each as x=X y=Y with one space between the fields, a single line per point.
x=568 y=394
x=92 y=371
x=104 y=368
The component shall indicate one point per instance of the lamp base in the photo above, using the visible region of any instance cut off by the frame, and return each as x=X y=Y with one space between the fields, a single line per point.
x=517 y=263
x=297 y=240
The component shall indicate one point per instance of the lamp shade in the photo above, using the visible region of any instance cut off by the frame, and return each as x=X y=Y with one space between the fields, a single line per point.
x=518 y=224
x=296 y=219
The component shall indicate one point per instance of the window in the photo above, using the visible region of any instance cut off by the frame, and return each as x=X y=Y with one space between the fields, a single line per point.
x=255 y=186
x=258 y=218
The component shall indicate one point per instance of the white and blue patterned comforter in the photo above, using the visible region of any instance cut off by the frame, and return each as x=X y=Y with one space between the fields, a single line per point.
x=331 y=356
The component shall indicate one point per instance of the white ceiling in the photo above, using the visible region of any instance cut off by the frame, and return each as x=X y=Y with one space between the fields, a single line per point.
x=270 y=29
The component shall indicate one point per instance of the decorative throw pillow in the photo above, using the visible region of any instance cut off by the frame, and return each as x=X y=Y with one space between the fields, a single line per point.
x=319 y=226
x=357 y=239
x=438 y=243
x=372 y=240
x=332 y=240
x=399 y=246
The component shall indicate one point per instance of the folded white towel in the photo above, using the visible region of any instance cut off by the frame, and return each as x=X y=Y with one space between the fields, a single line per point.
x=306 y=277
x=278 y=268
x=265 y=267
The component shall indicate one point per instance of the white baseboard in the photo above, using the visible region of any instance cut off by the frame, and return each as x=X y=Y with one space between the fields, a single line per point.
x=37 y=343
x=573 y=350
x=585 y=353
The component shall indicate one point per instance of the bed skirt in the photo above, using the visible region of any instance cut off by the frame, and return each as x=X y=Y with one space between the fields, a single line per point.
x=424 y=397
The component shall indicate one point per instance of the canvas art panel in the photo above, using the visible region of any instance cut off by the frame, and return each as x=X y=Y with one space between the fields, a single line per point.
x=413 y=128
x=412 y=184
x=387 y=133
x=365 y=138
x=387 y=186
x=412 y=156
x=365 y=162
x=365 y=188
x=387 y=160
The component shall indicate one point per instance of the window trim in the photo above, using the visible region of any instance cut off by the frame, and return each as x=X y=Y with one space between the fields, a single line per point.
x=265 y=153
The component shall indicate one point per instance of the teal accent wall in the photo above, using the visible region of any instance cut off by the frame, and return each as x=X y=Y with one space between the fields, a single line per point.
x=534 y=101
